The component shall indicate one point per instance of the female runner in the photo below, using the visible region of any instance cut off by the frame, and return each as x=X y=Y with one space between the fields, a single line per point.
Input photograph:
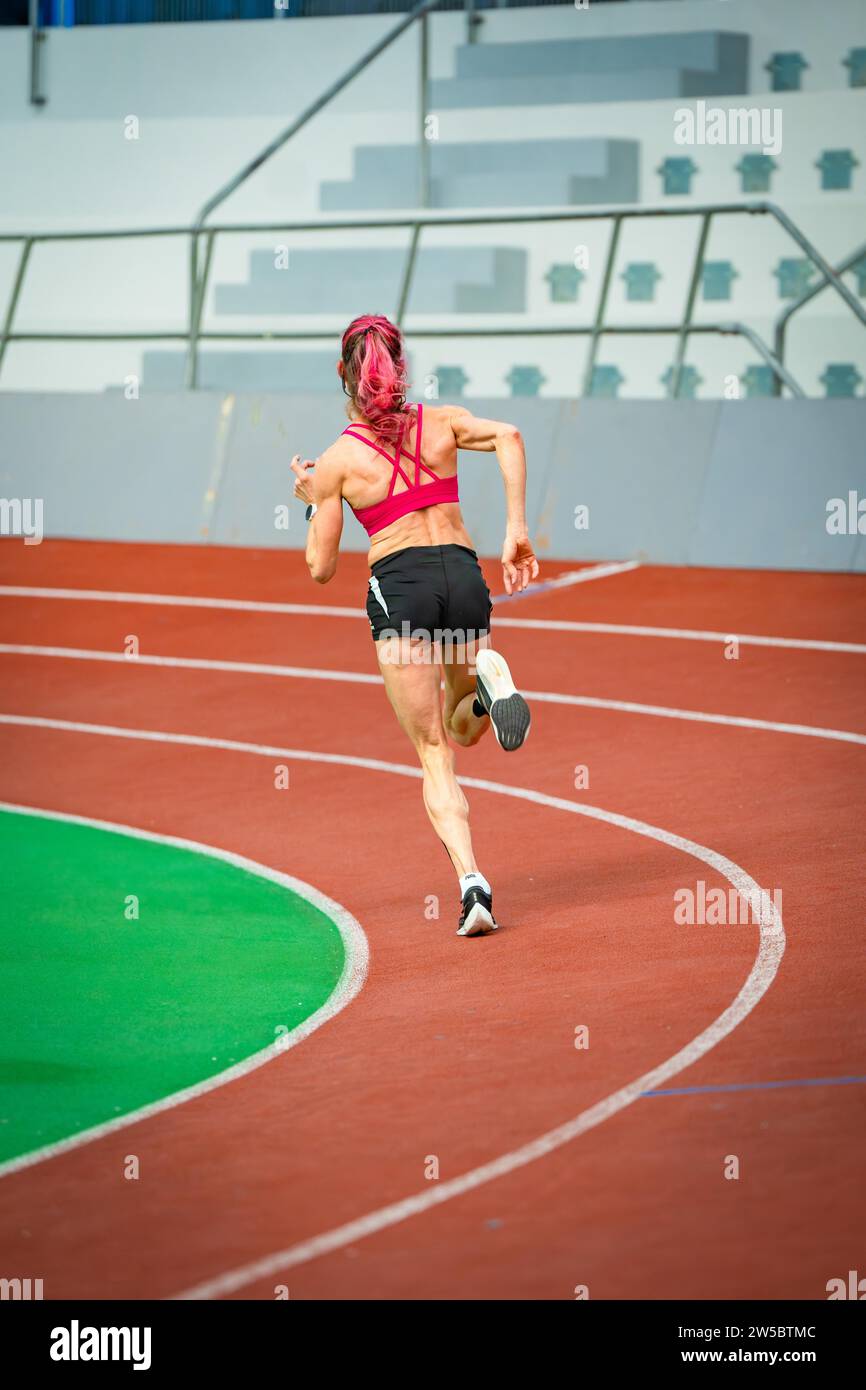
x=428 y=604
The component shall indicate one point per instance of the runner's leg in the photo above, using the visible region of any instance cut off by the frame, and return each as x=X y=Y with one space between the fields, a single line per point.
x=412 y=687
x=462 y=723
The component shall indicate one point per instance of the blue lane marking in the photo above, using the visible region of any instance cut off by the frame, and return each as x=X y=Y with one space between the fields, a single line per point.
x=760 y=1086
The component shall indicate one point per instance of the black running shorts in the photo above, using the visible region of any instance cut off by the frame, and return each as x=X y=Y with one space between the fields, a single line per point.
x=426 y=591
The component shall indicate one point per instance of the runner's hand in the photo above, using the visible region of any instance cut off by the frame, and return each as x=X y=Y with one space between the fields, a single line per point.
x=303 y=479
x=519 y=564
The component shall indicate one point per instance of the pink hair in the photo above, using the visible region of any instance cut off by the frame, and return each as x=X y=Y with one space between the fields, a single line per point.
x=375 y=374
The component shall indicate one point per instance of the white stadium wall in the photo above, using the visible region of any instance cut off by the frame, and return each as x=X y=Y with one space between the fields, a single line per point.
x=670 y=482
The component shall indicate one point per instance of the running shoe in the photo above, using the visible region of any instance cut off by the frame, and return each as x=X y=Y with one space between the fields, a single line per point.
x=495 y=691
x=476 y=914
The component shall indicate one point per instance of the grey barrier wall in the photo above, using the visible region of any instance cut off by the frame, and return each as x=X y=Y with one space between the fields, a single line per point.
x=741 y=483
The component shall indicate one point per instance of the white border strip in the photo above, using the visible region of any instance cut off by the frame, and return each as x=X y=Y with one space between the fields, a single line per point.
x=258 y=668
x=581 y=576
x=351 y=980
x=320 y=610
x=698 y=716
x=240 y=605
x=682 y=634
x=561 y=581
x=190 y=663
x=771 y=948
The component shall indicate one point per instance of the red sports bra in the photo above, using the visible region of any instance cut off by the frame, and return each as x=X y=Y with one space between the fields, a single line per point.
x=416 y=495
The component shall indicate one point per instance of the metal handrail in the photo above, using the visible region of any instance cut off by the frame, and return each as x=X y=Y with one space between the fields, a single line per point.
x=415 y=223
x=545 y=331
x=38 y=38
x=697 y=269
x=197 y=279
x=781 y=325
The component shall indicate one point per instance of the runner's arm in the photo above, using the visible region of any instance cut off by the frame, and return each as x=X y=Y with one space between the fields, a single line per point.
x=321 y=483
x=519 y=564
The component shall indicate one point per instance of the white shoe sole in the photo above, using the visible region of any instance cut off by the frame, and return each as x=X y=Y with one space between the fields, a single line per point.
x=509 y=712
x=479 y=922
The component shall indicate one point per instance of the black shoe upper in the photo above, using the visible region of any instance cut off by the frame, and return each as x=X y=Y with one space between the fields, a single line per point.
x=482 y=694
x=470 y=898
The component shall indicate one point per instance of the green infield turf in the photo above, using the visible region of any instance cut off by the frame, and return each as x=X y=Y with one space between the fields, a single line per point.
x=133 y=969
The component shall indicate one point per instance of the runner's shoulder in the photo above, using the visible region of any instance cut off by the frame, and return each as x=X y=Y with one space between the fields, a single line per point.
x=331 y=465
x=448 y=416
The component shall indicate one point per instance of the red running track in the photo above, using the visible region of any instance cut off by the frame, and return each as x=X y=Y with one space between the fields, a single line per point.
x=465 y=1049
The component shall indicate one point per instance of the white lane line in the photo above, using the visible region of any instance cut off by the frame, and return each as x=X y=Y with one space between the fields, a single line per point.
x=259 y=606
x=682 y=634
x=239 y=605
x=320 y=610
x=351 y=979
x=257 y=668
x=582 y=576
x=771 y=947
x=192 y=663
x=698 y=716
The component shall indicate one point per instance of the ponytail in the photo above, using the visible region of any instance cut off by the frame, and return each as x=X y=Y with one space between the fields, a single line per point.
x=374 y=374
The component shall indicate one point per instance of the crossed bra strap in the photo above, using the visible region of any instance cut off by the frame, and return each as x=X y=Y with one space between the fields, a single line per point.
x=416 y=495
x=399 y=453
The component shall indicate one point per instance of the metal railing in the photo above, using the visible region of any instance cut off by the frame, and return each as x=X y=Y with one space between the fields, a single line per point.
x=37 y=41
x=200 y=267
x=415 y=224
x=781 y=326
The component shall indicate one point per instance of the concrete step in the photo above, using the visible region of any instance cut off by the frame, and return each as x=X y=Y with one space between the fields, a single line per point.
x=526 y=89
x=708 y=51
x=508 y=173
x=447 y=279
